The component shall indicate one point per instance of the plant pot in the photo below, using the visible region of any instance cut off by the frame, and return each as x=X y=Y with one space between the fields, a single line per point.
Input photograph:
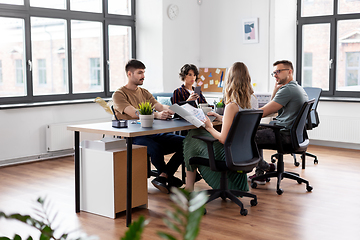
x=146 y=120
x=219 y=111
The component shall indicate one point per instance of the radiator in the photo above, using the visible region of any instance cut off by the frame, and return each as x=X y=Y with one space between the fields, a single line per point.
x=337 y=129
x=59 y=138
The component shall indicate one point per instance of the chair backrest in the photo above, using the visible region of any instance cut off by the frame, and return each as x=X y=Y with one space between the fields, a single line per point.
x=299 y=138
x=241 y=152
x=314 y=93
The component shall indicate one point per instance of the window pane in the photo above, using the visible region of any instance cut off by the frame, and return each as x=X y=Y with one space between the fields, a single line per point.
x=86 y=43
x=13 y=2
x=348 y=54
x=316 y=45
x=1 y=77
x=48 y=49
x=349 y=6
x=57 y=4
x=86 y=5
x=119 y=54
x=316 y=7
x=121 y=7
x=12 y=55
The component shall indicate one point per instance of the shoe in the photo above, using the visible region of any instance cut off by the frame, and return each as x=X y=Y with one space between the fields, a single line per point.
x=160 y=183
x=272 y=167
x=261 y=181
x=174 y=182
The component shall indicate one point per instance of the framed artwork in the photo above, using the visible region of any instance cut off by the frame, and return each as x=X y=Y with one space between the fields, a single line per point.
x=250 y=30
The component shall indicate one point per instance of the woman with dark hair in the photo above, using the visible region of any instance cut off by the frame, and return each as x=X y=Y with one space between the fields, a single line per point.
x=239 y=95
x=189 y=74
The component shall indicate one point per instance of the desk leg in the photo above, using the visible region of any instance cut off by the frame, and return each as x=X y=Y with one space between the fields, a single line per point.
x=129 y=180
x=77 y=171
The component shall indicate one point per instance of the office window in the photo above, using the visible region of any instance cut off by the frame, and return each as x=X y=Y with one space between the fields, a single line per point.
x=95 y=72
x=307 y=69
x=19 y=71
x=1 y=75
x=86 y=38
x=42 y=71
x=51 y=62
x=332 y=36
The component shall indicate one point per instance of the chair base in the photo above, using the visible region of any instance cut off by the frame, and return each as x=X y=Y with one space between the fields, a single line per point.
x=233 y=196
x=280 y=174
x=296 y=163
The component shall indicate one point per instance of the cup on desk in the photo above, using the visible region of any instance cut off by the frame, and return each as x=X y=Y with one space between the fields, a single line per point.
x=201 y=105
x=206 y=110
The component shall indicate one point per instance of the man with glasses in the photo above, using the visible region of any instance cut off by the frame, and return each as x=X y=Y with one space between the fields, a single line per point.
x=287 y=98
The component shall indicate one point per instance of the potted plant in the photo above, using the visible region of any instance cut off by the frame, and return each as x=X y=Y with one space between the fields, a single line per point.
x=219 y=107
x=146 y=114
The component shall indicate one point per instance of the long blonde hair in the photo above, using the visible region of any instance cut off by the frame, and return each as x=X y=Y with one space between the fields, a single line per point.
x=238 y=86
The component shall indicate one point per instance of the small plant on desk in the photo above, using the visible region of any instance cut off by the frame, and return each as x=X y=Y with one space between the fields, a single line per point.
x=146 y=114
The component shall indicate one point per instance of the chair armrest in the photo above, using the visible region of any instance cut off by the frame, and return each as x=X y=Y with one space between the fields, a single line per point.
x=209 y=142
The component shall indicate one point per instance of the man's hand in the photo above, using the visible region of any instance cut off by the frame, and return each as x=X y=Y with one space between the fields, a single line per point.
x=165 y=114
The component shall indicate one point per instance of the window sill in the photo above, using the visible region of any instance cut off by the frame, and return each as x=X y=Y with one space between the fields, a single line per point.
x=50 y=103
x=340 y=99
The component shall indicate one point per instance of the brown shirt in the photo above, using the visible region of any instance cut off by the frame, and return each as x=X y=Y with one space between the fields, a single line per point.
x=124 y=97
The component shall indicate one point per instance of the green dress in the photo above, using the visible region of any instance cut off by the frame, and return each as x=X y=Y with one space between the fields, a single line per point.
x=197 y=148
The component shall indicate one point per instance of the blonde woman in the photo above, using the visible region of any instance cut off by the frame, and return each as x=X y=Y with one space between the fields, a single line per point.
x=238 y=95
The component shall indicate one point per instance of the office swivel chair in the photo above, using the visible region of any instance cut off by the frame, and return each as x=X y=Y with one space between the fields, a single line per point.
x=241 y=155
x=313 y=93
x=298 y=145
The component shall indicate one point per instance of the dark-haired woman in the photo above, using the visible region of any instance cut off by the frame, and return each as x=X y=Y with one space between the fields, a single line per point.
x=189 y=74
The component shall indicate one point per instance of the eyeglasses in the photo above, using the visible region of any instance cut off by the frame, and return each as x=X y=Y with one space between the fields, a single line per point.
x=277 y=72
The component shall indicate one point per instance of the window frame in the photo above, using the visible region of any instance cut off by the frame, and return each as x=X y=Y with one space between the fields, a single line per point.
x=333 y=20
x=25 y=12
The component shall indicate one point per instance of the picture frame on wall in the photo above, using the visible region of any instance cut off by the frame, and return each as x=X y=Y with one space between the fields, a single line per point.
x=250 y=30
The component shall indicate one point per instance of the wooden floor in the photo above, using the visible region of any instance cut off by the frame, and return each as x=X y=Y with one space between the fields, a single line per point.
x=330 y=211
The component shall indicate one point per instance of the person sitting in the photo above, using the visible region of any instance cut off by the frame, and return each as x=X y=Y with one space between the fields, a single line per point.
x=189 y=74
x=239 y=95
x=126 y=99
x=287 y=99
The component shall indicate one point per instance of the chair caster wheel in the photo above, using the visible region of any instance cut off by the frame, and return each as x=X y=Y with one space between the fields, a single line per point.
x=253 y=185
x=316 y=161
x=223 y=198
x=267 y=179
x=309 y=188
x=273 y=160
x=297 y=164
x=279 y=191
x=205 y=211
x=244 y=212
x=299 y=182
x=253 y=202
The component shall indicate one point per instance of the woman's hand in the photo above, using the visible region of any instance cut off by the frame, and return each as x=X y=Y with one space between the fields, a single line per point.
x=208 y=123
x=193 y=96
x=218 y=116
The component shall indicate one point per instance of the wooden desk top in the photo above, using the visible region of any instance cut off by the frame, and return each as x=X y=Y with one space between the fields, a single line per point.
x=135 y=130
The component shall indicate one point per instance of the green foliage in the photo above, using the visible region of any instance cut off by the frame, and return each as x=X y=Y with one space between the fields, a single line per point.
x=145 y=108
x=135 y=229
x=187 y=214
x=219 y=104
x=44 y=224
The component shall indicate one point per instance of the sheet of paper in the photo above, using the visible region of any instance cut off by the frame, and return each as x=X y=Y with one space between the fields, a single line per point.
x=206 y=85
x=200 y=83
x=216 y=82
x=211 y=82
x=198 y=113
x=202 y=77
x=206 y=70
x=217 y=71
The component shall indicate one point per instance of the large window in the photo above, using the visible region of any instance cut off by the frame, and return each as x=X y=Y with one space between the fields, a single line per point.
x=62 y=49
x=328 y=51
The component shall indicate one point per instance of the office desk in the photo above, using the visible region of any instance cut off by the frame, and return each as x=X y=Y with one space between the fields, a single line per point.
x=133 y=130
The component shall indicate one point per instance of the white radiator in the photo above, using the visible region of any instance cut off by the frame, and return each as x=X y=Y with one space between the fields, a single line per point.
x=337 y=129
x=59 y=138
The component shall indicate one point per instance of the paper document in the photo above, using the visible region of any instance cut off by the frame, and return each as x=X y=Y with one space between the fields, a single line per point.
x=193 y=115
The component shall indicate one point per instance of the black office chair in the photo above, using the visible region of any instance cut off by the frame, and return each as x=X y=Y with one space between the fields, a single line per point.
x=313 y=93
x=298 y=145
x=241 y=154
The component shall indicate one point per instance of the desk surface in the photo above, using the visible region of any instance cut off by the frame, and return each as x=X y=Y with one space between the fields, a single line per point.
x=135 y=130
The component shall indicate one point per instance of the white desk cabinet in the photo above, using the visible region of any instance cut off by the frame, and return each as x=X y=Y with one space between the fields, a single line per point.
x=103 y=180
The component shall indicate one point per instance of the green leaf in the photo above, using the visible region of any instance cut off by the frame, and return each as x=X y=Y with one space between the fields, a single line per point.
x=135 y=229
x=44 y=237
x=166 y=236
x=171 y=225
x=4 y=238
x=17 y=237
x=29 y=238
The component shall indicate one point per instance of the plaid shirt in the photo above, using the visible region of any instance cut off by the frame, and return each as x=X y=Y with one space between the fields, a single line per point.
x=182 y=94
